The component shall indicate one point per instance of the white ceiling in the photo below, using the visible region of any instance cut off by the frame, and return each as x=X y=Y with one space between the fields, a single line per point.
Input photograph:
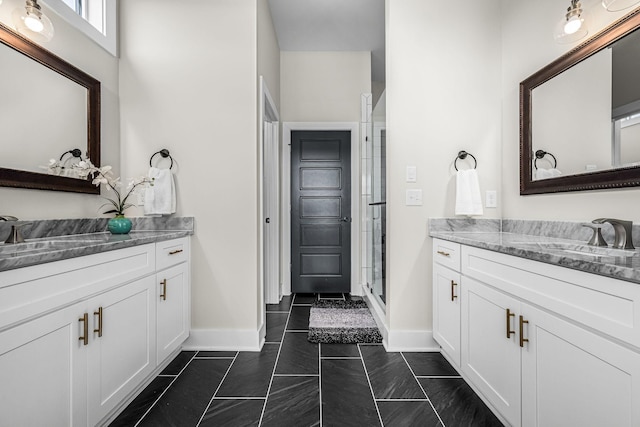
x=332 y=25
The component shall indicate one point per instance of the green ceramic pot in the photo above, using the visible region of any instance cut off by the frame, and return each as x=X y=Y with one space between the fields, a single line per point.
x=119 y=225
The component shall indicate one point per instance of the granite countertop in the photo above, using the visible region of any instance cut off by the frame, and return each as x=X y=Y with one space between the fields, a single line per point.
x=571 y=253
x=55 y=240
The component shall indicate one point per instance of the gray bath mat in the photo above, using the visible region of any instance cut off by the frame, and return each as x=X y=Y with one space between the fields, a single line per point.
x=344 y=322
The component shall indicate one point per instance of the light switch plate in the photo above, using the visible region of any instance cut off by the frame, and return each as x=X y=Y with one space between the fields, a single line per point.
x=414 y=198
x=412 y=175
x=491 y=199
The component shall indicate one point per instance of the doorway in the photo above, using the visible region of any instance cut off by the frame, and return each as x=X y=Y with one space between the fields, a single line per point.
x=320 y=211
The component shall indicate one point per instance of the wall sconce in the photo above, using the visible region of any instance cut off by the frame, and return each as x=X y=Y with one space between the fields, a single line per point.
x=32 y=22
x=573 y=26
x=617 y=5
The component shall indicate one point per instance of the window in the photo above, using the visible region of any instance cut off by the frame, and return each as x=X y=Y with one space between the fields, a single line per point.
x=95 y=18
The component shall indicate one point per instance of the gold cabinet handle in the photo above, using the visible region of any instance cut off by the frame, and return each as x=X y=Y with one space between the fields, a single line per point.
x=85 y=328
x=522 y=338
x=509 y=331
x=453 y=295
x=163 y=295
x=444 y=253
x=177 y=251
x=99 y=314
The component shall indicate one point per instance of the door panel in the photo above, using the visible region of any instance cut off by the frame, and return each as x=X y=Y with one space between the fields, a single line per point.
x=320 y=211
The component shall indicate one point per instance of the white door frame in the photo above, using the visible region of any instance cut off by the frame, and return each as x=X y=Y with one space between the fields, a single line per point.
x=269 y=289
x=354 y=128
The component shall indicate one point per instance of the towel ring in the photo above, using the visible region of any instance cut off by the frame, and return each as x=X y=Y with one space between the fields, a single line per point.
x=463 y=155
x=164 y=153
x=540 y=154
x=75 y=153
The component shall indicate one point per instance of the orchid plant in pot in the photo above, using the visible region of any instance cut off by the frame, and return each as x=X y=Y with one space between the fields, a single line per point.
x=121 y=193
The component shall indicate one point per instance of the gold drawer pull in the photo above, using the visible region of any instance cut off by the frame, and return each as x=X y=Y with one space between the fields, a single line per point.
x=99 y=314
x=509 y=316
x=522 y=338
x=85 y=328
x=443 y=253
x=163 y=295
x=177 y=251
x=453 y=295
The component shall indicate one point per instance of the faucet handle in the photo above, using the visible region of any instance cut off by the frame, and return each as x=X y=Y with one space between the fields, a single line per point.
x=15 y=236
x=596 y=238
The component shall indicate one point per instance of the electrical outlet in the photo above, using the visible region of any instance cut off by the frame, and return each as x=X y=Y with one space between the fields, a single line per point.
x=414 y=198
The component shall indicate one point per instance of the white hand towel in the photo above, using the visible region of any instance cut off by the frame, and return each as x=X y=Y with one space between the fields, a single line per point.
x=468 y=200
x=542 y=173
x=160 y=198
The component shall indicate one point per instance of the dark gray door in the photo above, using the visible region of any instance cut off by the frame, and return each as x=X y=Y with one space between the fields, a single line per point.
x=320 y=211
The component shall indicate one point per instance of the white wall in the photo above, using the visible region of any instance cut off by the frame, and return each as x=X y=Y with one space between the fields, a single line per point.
x=443 y=95
x=268 y=51
x=323 y=86
x=189 y=84
x=527 y=46
x=80 y=51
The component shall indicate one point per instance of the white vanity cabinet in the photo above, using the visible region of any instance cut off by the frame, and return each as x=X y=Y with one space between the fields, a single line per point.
x=446 y=297
x=172 y=295
x=79 y=337
x=549 y=346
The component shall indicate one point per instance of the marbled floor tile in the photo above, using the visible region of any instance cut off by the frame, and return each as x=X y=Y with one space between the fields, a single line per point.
x=178 y=363
x=187 y=398
x=298 y=356
x=233 y=413
x=339 y=350
x=142 y=403
x=299 y=319
x=293 y=401
x=305 y=298
x=457 y=404
x=283 y=305
x=408 y=413
x=230 y=354
x=346 y=396
x=250 y=373
x=390 y=376
x=430 y=365
x=275 y=326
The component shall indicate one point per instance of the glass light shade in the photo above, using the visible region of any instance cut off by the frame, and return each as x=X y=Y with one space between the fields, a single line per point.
x=33 y=23
x=573 y=25
x=617 y=5
x=571 y=30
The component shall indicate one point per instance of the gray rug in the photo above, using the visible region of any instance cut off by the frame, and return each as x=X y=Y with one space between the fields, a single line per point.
x=344 y=322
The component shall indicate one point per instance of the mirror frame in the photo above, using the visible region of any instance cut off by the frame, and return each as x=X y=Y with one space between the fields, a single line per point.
x=606 y=179
x=44 y=181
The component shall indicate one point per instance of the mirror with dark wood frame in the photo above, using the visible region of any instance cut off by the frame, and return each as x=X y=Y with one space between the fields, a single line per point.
x=539 y=148
x=12 y=176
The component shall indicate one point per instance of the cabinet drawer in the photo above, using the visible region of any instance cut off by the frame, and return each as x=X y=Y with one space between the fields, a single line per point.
x=447 y=253
x=171 y=252
x=604 y=304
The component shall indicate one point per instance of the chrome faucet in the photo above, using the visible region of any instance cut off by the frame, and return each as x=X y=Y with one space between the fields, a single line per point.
x=623 y=232
x=14 y=236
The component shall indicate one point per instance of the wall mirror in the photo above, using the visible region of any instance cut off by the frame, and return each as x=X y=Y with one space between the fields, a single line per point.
x=580 y=116
x=48 y=108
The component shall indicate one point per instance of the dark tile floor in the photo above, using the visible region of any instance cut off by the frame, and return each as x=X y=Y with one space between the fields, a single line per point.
x=293 y=382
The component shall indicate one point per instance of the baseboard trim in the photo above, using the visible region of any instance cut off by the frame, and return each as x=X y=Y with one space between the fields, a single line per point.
x=411 y=341
x=223 y=340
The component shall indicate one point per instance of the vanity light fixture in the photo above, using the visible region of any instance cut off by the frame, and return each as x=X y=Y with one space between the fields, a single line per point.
x=32 y=22
x=617 y=5
x=573 y=26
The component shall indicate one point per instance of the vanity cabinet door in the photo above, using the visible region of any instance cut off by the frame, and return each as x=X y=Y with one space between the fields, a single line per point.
x=489 y=359
x=571 y=376
x=124 y=355
x=43 y=371
x=173 y=302
x=446 y=311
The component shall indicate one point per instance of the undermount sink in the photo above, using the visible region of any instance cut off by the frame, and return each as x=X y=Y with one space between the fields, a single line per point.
x=574 y=248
